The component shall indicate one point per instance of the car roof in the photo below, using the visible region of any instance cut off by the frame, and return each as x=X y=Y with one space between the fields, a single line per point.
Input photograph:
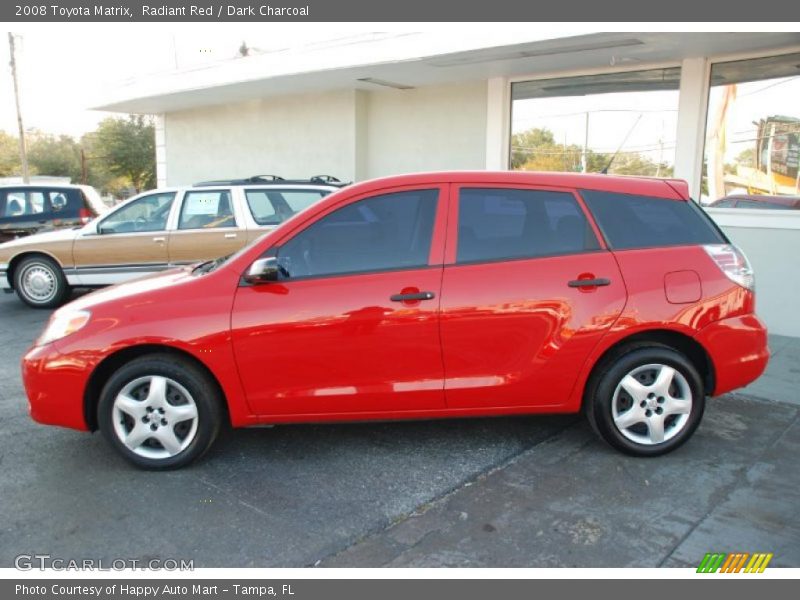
x=673 y=189
x=68 y=186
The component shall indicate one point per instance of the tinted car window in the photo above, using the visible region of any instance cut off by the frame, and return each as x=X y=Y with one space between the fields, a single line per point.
x=206 y=210
x=148 y=213
x=630 y=221
x=391 y=231
x=494 y=224
x=768 y=205
x=23 y=203
x=723 y=204
x=270 y=207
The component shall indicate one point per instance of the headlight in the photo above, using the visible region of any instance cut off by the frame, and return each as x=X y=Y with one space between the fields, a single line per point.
x=63 y=324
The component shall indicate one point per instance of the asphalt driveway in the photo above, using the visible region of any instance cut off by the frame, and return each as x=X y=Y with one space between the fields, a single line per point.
x=531 y=491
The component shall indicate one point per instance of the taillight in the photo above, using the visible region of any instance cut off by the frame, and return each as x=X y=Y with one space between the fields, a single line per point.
x=85 y=215
x=733 y=263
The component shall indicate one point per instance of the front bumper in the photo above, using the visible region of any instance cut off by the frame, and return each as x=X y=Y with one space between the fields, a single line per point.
x=54 y=384
x=4 y=284
x=738 y=350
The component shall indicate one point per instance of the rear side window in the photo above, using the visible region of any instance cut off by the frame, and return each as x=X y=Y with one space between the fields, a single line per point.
x=271 y=207
x=500 y=223
x=630 y=221
x=386 y=232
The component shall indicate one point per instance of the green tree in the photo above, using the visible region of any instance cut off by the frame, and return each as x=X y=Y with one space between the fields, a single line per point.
x=526 y=143
x=57 y=156
x=9 y=155
x=126 y=148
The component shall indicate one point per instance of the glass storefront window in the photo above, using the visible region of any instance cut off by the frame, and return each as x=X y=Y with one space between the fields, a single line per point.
x=619 y=123
x=753 y=134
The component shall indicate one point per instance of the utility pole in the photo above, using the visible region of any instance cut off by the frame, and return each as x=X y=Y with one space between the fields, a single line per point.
x=23 y=154
x=585 y=153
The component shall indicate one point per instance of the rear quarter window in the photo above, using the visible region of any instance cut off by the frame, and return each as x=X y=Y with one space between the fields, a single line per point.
x=629 y=221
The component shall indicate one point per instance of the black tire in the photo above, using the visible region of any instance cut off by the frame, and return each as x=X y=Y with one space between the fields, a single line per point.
x=203 y=392
x=602 y=397
x=40 y=282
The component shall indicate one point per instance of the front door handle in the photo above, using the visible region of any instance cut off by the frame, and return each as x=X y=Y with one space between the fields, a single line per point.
x=159 y=240
x=412 y=297
x=230 y=236
x=581 y=283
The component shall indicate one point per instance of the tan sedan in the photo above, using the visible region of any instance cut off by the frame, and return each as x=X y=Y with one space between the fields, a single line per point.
x=151 y=232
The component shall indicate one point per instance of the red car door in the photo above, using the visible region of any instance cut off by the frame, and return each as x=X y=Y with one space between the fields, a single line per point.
x=352 y=325
x=527 y=292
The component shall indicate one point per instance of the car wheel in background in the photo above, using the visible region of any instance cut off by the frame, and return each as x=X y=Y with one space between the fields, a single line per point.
x=40 y=282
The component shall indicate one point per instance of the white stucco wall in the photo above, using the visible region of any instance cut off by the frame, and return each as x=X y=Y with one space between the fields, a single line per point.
x=772 y=244
x=426 y=129
x=291 y=136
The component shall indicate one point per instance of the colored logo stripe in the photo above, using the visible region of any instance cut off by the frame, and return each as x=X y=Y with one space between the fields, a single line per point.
x=734 y=562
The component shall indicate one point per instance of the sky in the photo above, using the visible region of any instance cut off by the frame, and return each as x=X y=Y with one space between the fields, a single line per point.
x=68 y=67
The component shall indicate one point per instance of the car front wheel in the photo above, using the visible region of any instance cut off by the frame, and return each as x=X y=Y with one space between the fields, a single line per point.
x=647 y=401
x=160 y=411
x=40 y=282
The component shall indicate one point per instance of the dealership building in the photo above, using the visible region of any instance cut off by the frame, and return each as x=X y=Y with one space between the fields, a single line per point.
x=719 y=110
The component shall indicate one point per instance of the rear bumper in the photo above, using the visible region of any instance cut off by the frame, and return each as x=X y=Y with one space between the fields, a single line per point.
x=738 y=350
x=54 y=384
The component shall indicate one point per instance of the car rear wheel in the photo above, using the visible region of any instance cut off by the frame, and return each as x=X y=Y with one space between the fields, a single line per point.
x=160 y=411
x=646 y=401
x=40 y=282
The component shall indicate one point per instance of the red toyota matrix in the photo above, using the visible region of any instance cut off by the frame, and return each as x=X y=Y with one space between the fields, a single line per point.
x=421 y=296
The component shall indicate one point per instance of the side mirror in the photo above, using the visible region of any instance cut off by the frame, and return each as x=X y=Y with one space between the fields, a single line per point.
x=263 y=270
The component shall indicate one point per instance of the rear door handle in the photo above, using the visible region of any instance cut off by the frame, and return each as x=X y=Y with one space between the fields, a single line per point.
x=412 y=297
x=579 y=283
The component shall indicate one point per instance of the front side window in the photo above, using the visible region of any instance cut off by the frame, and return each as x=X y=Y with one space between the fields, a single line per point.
x=148 y=213
x=630 y=221
x=206 y=210
x=271 y=207
x=497 y=224
x=387 y=232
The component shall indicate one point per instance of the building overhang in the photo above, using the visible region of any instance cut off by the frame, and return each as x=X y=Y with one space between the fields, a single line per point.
x=403 y=61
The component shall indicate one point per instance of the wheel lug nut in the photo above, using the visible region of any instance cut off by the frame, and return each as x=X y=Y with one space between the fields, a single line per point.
x=149 y=409
x=643 y=404
x=660 y=400
x=161 y=410
x=153 y=426
x=659 y=410
x=651 y=395
x=145 y=419
x=648 y=413
x=163 y=421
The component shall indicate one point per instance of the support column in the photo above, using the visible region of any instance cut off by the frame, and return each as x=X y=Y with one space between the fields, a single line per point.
x=498 y=123
x=692 y=111
x=161 y=150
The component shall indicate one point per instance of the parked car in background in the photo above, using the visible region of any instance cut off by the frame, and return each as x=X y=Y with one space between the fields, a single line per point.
x=757 y=201
x=152 y=232
x=421 y=296
x=26 y=209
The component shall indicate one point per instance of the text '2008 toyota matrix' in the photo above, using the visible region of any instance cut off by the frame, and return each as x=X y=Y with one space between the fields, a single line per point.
x=421 y=296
